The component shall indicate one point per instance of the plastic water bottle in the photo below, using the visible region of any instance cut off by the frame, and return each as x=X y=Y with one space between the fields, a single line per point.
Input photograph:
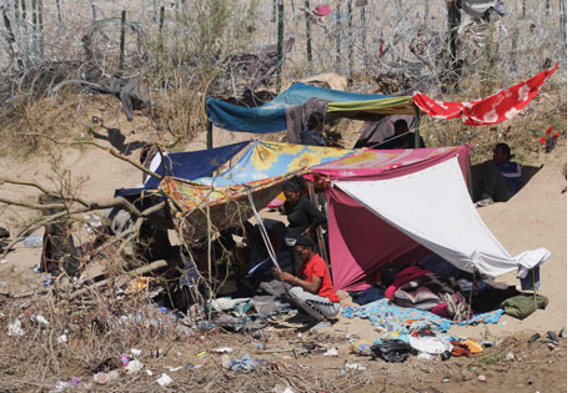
x=33 y=241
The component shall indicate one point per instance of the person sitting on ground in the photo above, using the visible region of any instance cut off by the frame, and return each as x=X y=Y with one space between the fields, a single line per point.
x=499 y=178
x=312 y=135
x=311 y=288
x=403 y=138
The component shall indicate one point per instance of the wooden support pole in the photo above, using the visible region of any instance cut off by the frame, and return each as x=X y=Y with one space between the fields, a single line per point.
x=319 y=233
x=122 y=41
x=308 y=32
x=416 y=127
x=280 y=45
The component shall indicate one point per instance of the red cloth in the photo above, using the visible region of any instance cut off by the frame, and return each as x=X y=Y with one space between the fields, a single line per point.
x=407 y=275
x=496 y=108
x=316 y=267
x=322 y=10
x=390 y=291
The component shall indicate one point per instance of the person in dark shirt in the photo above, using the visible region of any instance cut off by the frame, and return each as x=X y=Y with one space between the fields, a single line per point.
x=312 y=135
x=402 y=138
x=303 y=216
x=499 y=179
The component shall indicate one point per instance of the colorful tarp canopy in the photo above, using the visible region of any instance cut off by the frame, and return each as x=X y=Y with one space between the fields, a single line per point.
x=262 y=169
x=499 y=107
x=271 y=117
x=270 y=159
x=186 y=165
x=406 y=211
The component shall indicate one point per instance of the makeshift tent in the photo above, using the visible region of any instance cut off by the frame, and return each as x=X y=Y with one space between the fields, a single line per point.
x=271 y=117
x=186 y=165
x=262 y=170
x=409 y=205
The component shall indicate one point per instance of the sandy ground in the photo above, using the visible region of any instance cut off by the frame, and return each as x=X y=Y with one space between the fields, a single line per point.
x=535 y=217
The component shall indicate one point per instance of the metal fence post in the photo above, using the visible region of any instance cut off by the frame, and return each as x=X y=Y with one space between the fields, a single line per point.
x=122 y=39
x=280 y=44
x=308 y=32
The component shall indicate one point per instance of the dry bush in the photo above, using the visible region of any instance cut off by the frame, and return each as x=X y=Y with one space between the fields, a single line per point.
x=27 y=114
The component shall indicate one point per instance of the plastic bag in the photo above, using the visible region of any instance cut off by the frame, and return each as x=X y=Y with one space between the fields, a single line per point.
x=392 y=351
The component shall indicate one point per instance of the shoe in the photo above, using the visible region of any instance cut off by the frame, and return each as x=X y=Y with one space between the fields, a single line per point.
x=484 y=202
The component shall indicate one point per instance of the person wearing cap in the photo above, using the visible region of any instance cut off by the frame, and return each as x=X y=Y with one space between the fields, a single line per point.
x=311 y=289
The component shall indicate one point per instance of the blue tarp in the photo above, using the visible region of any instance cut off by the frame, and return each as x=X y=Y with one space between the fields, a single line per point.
x=271 y=117
x=187 y=165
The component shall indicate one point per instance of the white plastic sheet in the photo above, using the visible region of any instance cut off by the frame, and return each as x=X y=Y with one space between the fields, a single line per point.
x=433 y=207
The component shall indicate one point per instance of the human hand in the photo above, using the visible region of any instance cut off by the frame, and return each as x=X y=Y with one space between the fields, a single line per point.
x=285 y=277
x=306 y=232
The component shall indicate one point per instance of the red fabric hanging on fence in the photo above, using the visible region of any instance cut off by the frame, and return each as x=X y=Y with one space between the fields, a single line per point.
x=496 y=108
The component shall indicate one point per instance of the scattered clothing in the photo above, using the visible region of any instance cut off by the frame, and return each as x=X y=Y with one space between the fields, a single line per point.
x=405 y=320
x=132 y=94
x=489 y=297
x=437 y=264
x=246 y=363
x=237 y=307
x=522 y=306
x=369 y=295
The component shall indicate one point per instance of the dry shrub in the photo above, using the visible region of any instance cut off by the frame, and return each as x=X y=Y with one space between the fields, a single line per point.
x=27 y=116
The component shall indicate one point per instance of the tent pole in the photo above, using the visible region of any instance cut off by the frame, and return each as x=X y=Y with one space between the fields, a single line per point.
x=319 y=234
x=209 y=127
x=470 y=180
x=263 y=232
x=416 y=126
